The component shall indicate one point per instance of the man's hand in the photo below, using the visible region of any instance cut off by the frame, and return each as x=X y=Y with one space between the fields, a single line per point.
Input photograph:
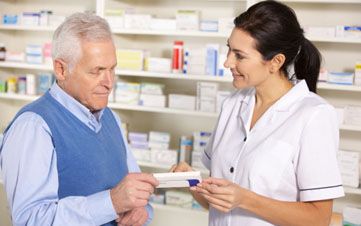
x=134 y=217
x=133 y=192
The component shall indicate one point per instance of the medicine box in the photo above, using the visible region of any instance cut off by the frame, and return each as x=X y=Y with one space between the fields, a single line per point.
x=178 y=101
x=130 y=59
x=152 y=100
x=166 y=157
x=187 y=20
x=127 y=93
x=349 y=167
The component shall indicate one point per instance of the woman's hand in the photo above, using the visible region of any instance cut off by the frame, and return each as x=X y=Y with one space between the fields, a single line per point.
x=221 y=194
x=181 y=167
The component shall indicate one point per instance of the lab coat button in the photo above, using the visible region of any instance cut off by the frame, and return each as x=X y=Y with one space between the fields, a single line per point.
x=231 y=169
x=245 y=138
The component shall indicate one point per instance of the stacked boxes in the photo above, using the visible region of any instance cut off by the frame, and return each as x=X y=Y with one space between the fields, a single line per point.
x=127 y=93
x=159 y=145
x=206 y=96
x=349 y=167
x=200 y=140
x=152 y=95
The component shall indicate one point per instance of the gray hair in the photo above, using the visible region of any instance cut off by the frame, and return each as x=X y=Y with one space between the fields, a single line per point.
x=67 y=37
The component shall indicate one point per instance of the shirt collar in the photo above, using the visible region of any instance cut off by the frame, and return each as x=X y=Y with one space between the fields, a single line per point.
x=76 y=108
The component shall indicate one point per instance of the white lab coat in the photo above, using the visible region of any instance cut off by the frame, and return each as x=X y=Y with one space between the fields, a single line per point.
x=289 y=155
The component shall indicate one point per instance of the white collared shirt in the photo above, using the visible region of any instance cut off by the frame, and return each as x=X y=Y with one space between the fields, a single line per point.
x=289 y=155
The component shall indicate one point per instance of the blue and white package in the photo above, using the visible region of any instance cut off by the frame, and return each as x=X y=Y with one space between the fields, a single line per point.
x=178 y=179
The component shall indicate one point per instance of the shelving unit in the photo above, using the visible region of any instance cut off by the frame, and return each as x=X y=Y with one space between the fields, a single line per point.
x=151 y=118
x=26 y=28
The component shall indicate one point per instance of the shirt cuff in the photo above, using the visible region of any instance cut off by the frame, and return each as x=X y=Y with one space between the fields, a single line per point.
x=101 y=207
x=149 y=209
x=323 y=193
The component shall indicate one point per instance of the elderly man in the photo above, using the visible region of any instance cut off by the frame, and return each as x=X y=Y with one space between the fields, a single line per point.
x=64 y=157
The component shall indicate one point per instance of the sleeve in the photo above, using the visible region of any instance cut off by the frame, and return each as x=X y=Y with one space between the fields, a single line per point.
x=318 y=175
x=29 y=165
x=132 y=164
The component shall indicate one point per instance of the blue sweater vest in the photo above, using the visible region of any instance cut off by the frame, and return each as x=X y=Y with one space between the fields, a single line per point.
x=87 y=162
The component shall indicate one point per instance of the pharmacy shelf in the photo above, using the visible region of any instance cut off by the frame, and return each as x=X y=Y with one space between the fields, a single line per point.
x=349 y=190
x=171 y=33
x=27 y=28
x=327 y=86
x=22 y=65
x=185 y=211
x=325 y=1
x=48 y=67
x=335 y=40
x=161 y=110
x=352 y=128
x=19 y=97
x=209 y=78
x=119 y=106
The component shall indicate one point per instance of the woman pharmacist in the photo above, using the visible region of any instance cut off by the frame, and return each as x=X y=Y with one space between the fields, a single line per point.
x=272 y=155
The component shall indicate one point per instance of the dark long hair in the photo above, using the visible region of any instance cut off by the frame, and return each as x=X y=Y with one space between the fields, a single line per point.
x=275 y=28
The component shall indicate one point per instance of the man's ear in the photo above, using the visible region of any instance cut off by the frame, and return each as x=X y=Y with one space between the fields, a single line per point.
x=60 y=69
x=277 y=62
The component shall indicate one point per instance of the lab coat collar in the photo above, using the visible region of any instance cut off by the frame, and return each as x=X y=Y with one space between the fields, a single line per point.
x=297 y=92
x=300 y=90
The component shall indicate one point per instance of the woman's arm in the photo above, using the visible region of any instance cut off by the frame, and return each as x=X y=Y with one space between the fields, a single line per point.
x=225 y=196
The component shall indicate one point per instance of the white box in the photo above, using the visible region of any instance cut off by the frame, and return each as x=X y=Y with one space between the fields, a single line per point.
x=159 y=137
x=321 y=31
x=163 y=24
x=158 y=64
x=340 y=115
x=352 y=115
x=115 y=22
x=357 y=78
x=206 y=104
x=177 y=198
x=349 y=166
x=351 y=216
x=141 y=155
x=152 y=88
x=152 y=100
x=144 y=145
x=341 y=78
x=158 y=145
x=137 y=21
x=165 y=157
x=30 y=19
x=207 y=89
x=225 y=25
x=209 y=25
x=187 y=20
x=185 y=102
x=133 y=136
x=127 y=93
x=178 y=179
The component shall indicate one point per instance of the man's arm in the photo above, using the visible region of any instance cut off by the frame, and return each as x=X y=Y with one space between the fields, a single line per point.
x=132 y=164
x=29 y=165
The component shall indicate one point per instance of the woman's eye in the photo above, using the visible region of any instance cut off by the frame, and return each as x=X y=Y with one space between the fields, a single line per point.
x=239 y=57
